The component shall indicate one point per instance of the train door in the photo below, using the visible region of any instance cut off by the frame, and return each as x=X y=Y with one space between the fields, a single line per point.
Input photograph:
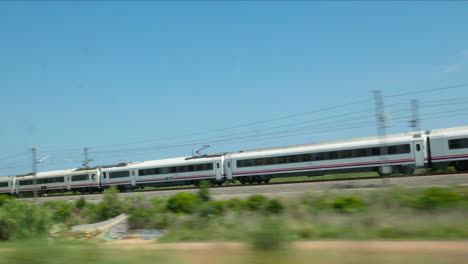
x=418 y=153
x=68 y=181
x=133 y=177
x=228 y=168
x=218 y=170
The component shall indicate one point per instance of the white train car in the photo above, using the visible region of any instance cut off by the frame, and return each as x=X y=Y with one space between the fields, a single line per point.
x=7 y=185
x=46 y=182
x=176 y=171
x=58 y=181
x=394 y=153
x=448 y=147
x=85 y=180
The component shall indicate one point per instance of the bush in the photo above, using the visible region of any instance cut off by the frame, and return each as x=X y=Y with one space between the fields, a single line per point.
x=271 y=235
x=211 y=208
x=61 y=210
x=111 y=206
x=19 y=220
x=203 y=194
x=141 y=211
x=256 y=202
x=80 y=203
x=3 y=199
x=140 y=218
x=437 y=198
x=348 y=204
x=180 y=203
x=274 y=206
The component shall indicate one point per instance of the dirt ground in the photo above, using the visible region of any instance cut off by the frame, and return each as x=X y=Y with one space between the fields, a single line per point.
x=339 y=252
x=395 y=246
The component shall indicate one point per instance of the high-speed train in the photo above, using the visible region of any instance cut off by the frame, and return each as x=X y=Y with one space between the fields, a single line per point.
x=398 y=153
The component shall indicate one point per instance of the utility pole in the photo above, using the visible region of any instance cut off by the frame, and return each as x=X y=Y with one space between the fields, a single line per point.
x=414 y=122
x=34 y=171
x=381 y=130
x=379 y=113
x=86 y=161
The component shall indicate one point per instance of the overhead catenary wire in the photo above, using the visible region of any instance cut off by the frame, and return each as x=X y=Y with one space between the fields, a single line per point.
x=226 y=137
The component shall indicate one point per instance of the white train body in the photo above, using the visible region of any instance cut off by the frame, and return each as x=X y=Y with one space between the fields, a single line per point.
x=399 y=153
x=404 y=150
x=7 y=185
x=176 y=171
x=59 y=181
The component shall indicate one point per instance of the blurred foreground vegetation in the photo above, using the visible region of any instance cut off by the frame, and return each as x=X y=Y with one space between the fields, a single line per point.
x=421 y=214
x=74 y=252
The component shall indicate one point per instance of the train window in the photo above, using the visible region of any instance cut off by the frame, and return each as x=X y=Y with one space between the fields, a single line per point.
x=26 y=182
x=83 y=177
x=93 y=176
x=358 y=153
x=458 y=143
x=210 y=166
x=282 y=160
x=50 y=180
x=346 y=154
x=181 y=168
x=293 y=158
x=105 y=174
x=375 y=151
x=190 y=168
x=404 y=149
x=172 y=169
x=319 y=156
x=418 y=147
x=217 y=165
x=229 y=164
x=3 y=184
x=119 y=174
x=306 y=157
x=391 y=150
x=270 y=161
x=332 y=155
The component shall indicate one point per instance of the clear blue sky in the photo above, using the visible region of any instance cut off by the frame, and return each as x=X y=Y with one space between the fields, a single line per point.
x=119 y=76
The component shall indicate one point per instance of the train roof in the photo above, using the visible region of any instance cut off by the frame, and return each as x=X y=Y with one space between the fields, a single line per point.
x=453 y=131
x=408 y=136
x=168 y=162
x=56 y=173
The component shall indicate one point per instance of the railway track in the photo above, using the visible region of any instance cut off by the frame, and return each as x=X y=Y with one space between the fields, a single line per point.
x=294 y=186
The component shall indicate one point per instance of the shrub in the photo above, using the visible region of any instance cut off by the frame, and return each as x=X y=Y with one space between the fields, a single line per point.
x=233 y=203
x=271 y=235
x=203 y=194
x=19 y=220
x=141 y=211
x=211 y=208
x=3 y=199
x=256 y=202
x=180 y=203
x=61 y=210
x=274 y=206
x=158 y=204
x=348 y=204
x=111 y=206
x=140 y=218
x=437 y=198
x=80 y=203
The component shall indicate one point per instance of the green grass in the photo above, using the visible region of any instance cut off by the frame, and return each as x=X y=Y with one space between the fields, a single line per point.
x=59 y=252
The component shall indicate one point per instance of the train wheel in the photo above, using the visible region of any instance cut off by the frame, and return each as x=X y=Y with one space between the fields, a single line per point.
x=461 y=165
x=407 y=170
